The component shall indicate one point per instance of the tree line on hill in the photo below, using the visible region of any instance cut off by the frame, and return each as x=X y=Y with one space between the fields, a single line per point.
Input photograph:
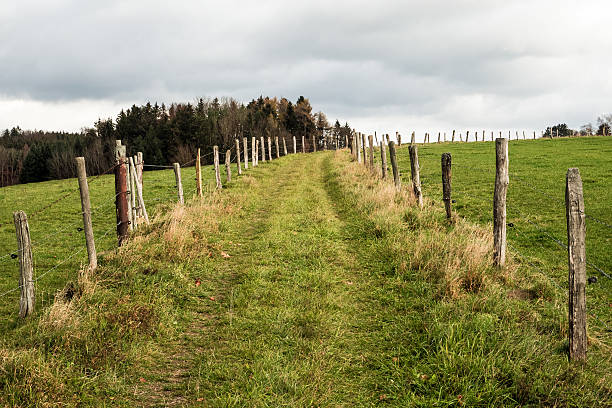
x=164 y=135
x=604 y=123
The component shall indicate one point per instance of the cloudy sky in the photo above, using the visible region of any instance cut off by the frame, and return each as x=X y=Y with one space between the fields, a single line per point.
x=427 y=65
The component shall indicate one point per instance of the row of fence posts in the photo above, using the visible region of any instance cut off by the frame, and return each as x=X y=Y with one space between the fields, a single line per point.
x=575 y=216
x=130 y=207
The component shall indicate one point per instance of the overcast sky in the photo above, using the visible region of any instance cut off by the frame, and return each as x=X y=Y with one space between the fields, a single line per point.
x=426 y=65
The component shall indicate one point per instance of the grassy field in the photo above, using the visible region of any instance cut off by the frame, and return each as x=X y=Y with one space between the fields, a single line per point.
x=310 y=282
x=58 y=241
x=536 y=203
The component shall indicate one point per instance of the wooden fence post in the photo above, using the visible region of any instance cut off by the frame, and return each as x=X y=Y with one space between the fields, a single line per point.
x=140 y=166
x=396 y=174
x=438 y=137
x=294 y=145
x=133 y=179
x=86 y=210
x=446 y=182
x=26 y=266
x=198 y=169
x=245 y=146
x=412 y=138
x=179 y=182
x=262 y=145
x=415 y=171
x=314 y=144
x=364 y=147
x=499 y=202
x=284 y=146
x=467 y=136
x=130 y=192
x=383 y=159
x=576 y=255
x=216 y=161
x=303 y=144
x=444 y=137
x=238 y=157
x=141 y=203
x=257 y=152
x=276 y=146
x=269 y=148
x=253 y=150
x=121 y=204
x=358 y=145
x=228 y=165
x=371 y=141
x=453 y=137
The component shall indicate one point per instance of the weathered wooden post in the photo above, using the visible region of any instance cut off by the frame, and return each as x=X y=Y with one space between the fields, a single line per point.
x=303 y=144
x=446 y=182
x=438 y=137
x=576 y=255
x=415 y=172
x=141 y=204
x=534 y=135
x=238 y=157
x=253 y=146
x=499 y=202
x=179 y=182
x=371 y=141
x=412 y=138
x=383 y=159
x=453 y=139
x=396 y=173
x=467 y=136
x=198 y=169
x=140 y=166
x=216 y=162
x=228 y=165
x=245 y=147
x=364 y=147
x=130 y=189
x=492 y=137
x=358 y=145
x=483 y=135
x=121 y=204
x=262 y=145
x=346 y=140
x=284 y=146
x=86 y=210
x=257 y=152
x=314 y=144
x=294 y=145
x=398 y=137
x=133 y=179
x=26 y=266
x=269 y=148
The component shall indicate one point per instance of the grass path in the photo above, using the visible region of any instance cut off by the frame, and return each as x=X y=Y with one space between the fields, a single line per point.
x=287 y=302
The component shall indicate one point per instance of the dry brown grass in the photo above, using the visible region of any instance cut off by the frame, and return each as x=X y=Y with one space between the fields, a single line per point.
x=453 y=254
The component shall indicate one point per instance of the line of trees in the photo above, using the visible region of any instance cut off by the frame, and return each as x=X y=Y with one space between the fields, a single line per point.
x=164 y=135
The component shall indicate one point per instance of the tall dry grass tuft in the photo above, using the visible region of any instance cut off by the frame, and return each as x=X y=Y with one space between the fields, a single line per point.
x=455 y=256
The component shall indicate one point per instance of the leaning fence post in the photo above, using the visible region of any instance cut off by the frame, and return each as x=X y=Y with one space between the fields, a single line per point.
x=140 y=166
x=284 y=146
x=383 y=159
x=499 y=202
x=396 y=174
x=179 y=182
x=86 y=209
x=141 y=202
x=576 y=255
x=446 y=182
x=415 y=172
x=26 y=266
x=198 y=169
x=238 y=157
x=130 y=190
x=216 y=161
